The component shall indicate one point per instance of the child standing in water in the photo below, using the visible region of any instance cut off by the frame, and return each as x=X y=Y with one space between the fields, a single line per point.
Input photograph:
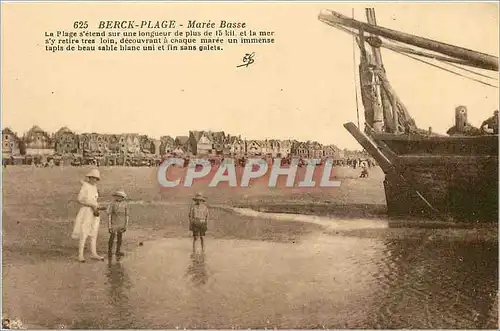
x=198 y=218
x=117 y=222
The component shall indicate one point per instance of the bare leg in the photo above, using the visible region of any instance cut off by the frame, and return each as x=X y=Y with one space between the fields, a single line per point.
x=194 y=244
x=93 y=248
x=202 y=241
x=81 y=247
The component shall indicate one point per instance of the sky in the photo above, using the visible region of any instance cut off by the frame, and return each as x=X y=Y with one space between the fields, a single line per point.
x=302 y=87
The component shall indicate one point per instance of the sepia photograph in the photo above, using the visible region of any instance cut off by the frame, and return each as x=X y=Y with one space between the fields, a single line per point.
x=225 y=165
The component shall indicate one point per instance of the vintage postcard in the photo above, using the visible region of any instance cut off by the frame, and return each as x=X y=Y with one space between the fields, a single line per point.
x=224 y=165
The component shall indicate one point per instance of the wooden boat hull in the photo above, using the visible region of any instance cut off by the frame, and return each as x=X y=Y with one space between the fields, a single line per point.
x=436 y=176
x=465 y=191
x=458 y=176
x=426 y=174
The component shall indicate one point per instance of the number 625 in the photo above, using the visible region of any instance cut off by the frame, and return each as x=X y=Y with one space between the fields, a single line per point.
x=80 y=25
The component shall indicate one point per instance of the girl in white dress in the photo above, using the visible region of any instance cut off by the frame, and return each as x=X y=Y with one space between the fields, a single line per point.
x=87 y=220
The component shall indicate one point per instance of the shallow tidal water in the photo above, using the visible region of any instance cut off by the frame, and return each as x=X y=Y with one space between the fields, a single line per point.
x=321 y=281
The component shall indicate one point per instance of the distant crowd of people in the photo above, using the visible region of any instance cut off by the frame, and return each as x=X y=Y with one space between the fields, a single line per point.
x=239 y=161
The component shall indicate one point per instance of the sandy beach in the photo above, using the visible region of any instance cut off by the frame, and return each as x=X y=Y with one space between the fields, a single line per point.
x=39 y=208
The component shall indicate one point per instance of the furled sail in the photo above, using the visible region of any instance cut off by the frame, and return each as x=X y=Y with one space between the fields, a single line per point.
x=470 y=57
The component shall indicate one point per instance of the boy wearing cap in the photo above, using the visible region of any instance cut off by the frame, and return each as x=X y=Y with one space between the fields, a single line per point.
x=117 y=222
x=198 y=218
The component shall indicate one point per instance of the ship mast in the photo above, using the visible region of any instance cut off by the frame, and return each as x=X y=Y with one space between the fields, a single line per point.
x=472 y=58
x=379 y=98
x=384 y=111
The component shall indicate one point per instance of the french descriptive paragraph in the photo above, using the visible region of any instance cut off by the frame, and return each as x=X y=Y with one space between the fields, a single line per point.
x=154 y=36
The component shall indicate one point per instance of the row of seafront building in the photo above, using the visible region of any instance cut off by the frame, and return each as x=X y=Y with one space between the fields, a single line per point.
x=198 y=143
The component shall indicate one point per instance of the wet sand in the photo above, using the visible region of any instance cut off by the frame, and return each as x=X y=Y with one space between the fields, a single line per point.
x=40 y=206
x=322 y=282
x=259 y=270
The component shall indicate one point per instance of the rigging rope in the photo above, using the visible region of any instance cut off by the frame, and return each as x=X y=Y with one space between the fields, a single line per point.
x=354 y=71
x=449 y=61
x=423 y=61
x=472 y=71
x=448 y=70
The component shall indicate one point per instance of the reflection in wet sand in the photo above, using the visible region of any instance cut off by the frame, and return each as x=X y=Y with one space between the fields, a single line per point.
x=118 y=289
x=197 y=270
x=257 y=284
x=323 y=281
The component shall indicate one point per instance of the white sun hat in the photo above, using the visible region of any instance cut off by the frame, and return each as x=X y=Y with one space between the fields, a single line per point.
x=94 y=173
x=120 y=193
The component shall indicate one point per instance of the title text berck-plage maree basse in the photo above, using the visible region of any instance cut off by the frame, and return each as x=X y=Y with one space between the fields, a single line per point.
x=170 y=24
